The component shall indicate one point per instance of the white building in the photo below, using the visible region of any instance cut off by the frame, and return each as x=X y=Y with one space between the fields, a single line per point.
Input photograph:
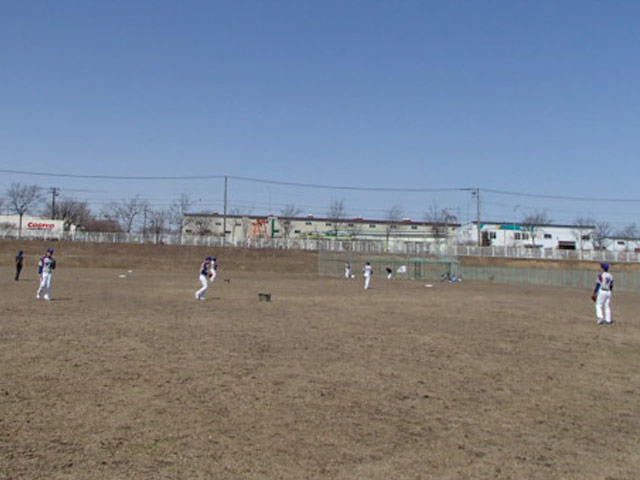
x=519 y=235
x=32 y=226
x=241 y=228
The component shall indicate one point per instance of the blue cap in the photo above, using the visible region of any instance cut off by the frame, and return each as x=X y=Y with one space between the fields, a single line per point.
x=50 y=250
x=208 y=258
x=605 y=266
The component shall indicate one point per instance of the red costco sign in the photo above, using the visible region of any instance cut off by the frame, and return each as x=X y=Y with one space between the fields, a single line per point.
x=41 y=226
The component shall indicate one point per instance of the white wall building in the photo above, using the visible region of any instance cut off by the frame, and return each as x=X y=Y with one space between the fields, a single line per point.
x=32 y=226
x=242 y=228
x=518 y=235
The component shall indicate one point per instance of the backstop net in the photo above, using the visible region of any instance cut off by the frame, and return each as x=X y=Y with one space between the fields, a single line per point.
x=402 y=266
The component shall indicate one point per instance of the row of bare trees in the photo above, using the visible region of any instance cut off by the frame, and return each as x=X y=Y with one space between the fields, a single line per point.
x=129 y=215
x=136 y=214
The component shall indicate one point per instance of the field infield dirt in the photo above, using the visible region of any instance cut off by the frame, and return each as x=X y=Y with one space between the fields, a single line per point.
x=124 y=375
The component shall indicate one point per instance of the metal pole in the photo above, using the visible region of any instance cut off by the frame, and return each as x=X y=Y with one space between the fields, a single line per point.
x=477 y=192
x=224 y=219
x=54 y=194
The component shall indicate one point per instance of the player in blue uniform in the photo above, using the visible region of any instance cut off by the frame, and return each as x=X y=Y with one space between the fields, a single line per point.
x=602 y=295
x=46 y=266
x=205 y=268
x=19 y=262
x=213 y=269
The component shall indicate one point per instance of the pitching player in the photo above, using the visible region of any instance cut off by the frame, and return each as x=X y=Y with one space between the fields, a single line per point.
x=46 y=266
x=204 y=274
x=213 y=269
x=367 y=271
x=602 y=295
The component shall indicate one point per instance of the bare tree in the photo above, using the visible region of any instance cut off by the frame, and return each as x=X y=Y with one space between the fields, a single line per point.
x=532 y=222
x=628 y=231
x=601 y=235
x=157 y=222
x=72 y=212
x=286 y=215
x=582 y=229
x=125 y=213
x=22 y=198
x=440 y=220
x=177 y=210
x=336 y=213
x=392 y=217
x=202 y=226
x=101 y=225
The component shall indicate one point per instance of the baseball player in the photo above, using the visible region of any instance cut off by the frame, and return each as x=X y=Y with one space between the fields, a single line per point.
x=389 y=273
x=204 y=274
x=19 y=262
x=213 y=269
x=46 y=266
x=347 y=271
x=602 y=295
x=367 y=271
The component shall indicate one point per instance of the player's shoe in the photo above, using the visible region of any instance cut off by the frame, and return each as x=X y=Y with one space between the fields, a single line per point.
x=38 y=296
x=47 y=298
x=601 y=322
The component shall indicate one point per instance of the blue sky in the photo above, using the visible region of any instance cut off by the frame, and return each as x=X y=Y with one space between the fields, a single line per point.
x=518 y=96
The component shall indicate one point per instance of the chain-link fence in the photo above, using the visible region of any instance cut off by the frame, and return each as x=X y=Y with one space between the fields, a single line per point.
x=447 y=268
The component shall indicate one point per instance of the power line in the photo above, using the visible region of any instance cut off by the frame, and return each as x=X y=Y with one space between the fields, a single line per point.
x=233 y=177
x=562 y=197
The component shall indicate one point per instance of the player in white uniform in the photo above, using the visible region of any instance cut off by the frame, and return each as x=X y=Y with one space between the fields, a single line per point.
x=347 y=271
x=46 y=266
x=213 y=269
x=367 y=271
x=602 y=295
x=205 y=268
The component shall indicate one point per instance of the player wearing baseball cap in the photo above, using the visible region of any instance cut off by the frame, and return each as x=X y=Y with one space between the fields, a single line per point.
x=46 y=266
x=602 y=295
x=204 y=273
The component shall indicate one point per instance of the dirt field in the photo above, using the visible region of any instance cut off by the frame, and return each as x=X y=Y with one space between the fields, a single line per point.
x=131 y=378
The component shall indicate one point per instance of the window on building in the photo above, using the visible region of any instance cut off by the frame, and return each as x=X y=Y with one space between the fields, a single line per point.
x=517 y=236
x=238 y=224
x=394 y=226
x=308 y=223
x=372 y=225
x=586 y=237
x=218 y=223
x=328 y=224
x=296 y=231
x=525 y=236
x=493 y=235
x=620 y=242
x=414 y=227
x=547 y=235
x=350 y=225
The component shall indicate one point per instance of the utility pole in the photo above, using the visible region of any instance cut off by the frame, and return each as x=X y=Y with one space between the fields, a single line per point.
x=224 y=217
x=476 y=192
x=54 y=194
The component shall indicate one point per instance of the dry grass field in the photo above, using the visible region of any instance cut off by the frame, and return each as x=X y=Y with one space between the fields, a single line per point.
x=131 y=378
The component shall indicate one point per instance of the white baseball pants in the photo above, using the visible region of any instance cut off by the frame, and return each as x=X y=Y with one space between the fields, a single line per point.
x=205 y=286
x=603 y=306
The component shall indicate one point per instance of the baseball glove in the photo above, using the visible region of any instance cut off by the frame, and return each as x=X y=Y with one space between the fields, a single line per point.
x=594 y=297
